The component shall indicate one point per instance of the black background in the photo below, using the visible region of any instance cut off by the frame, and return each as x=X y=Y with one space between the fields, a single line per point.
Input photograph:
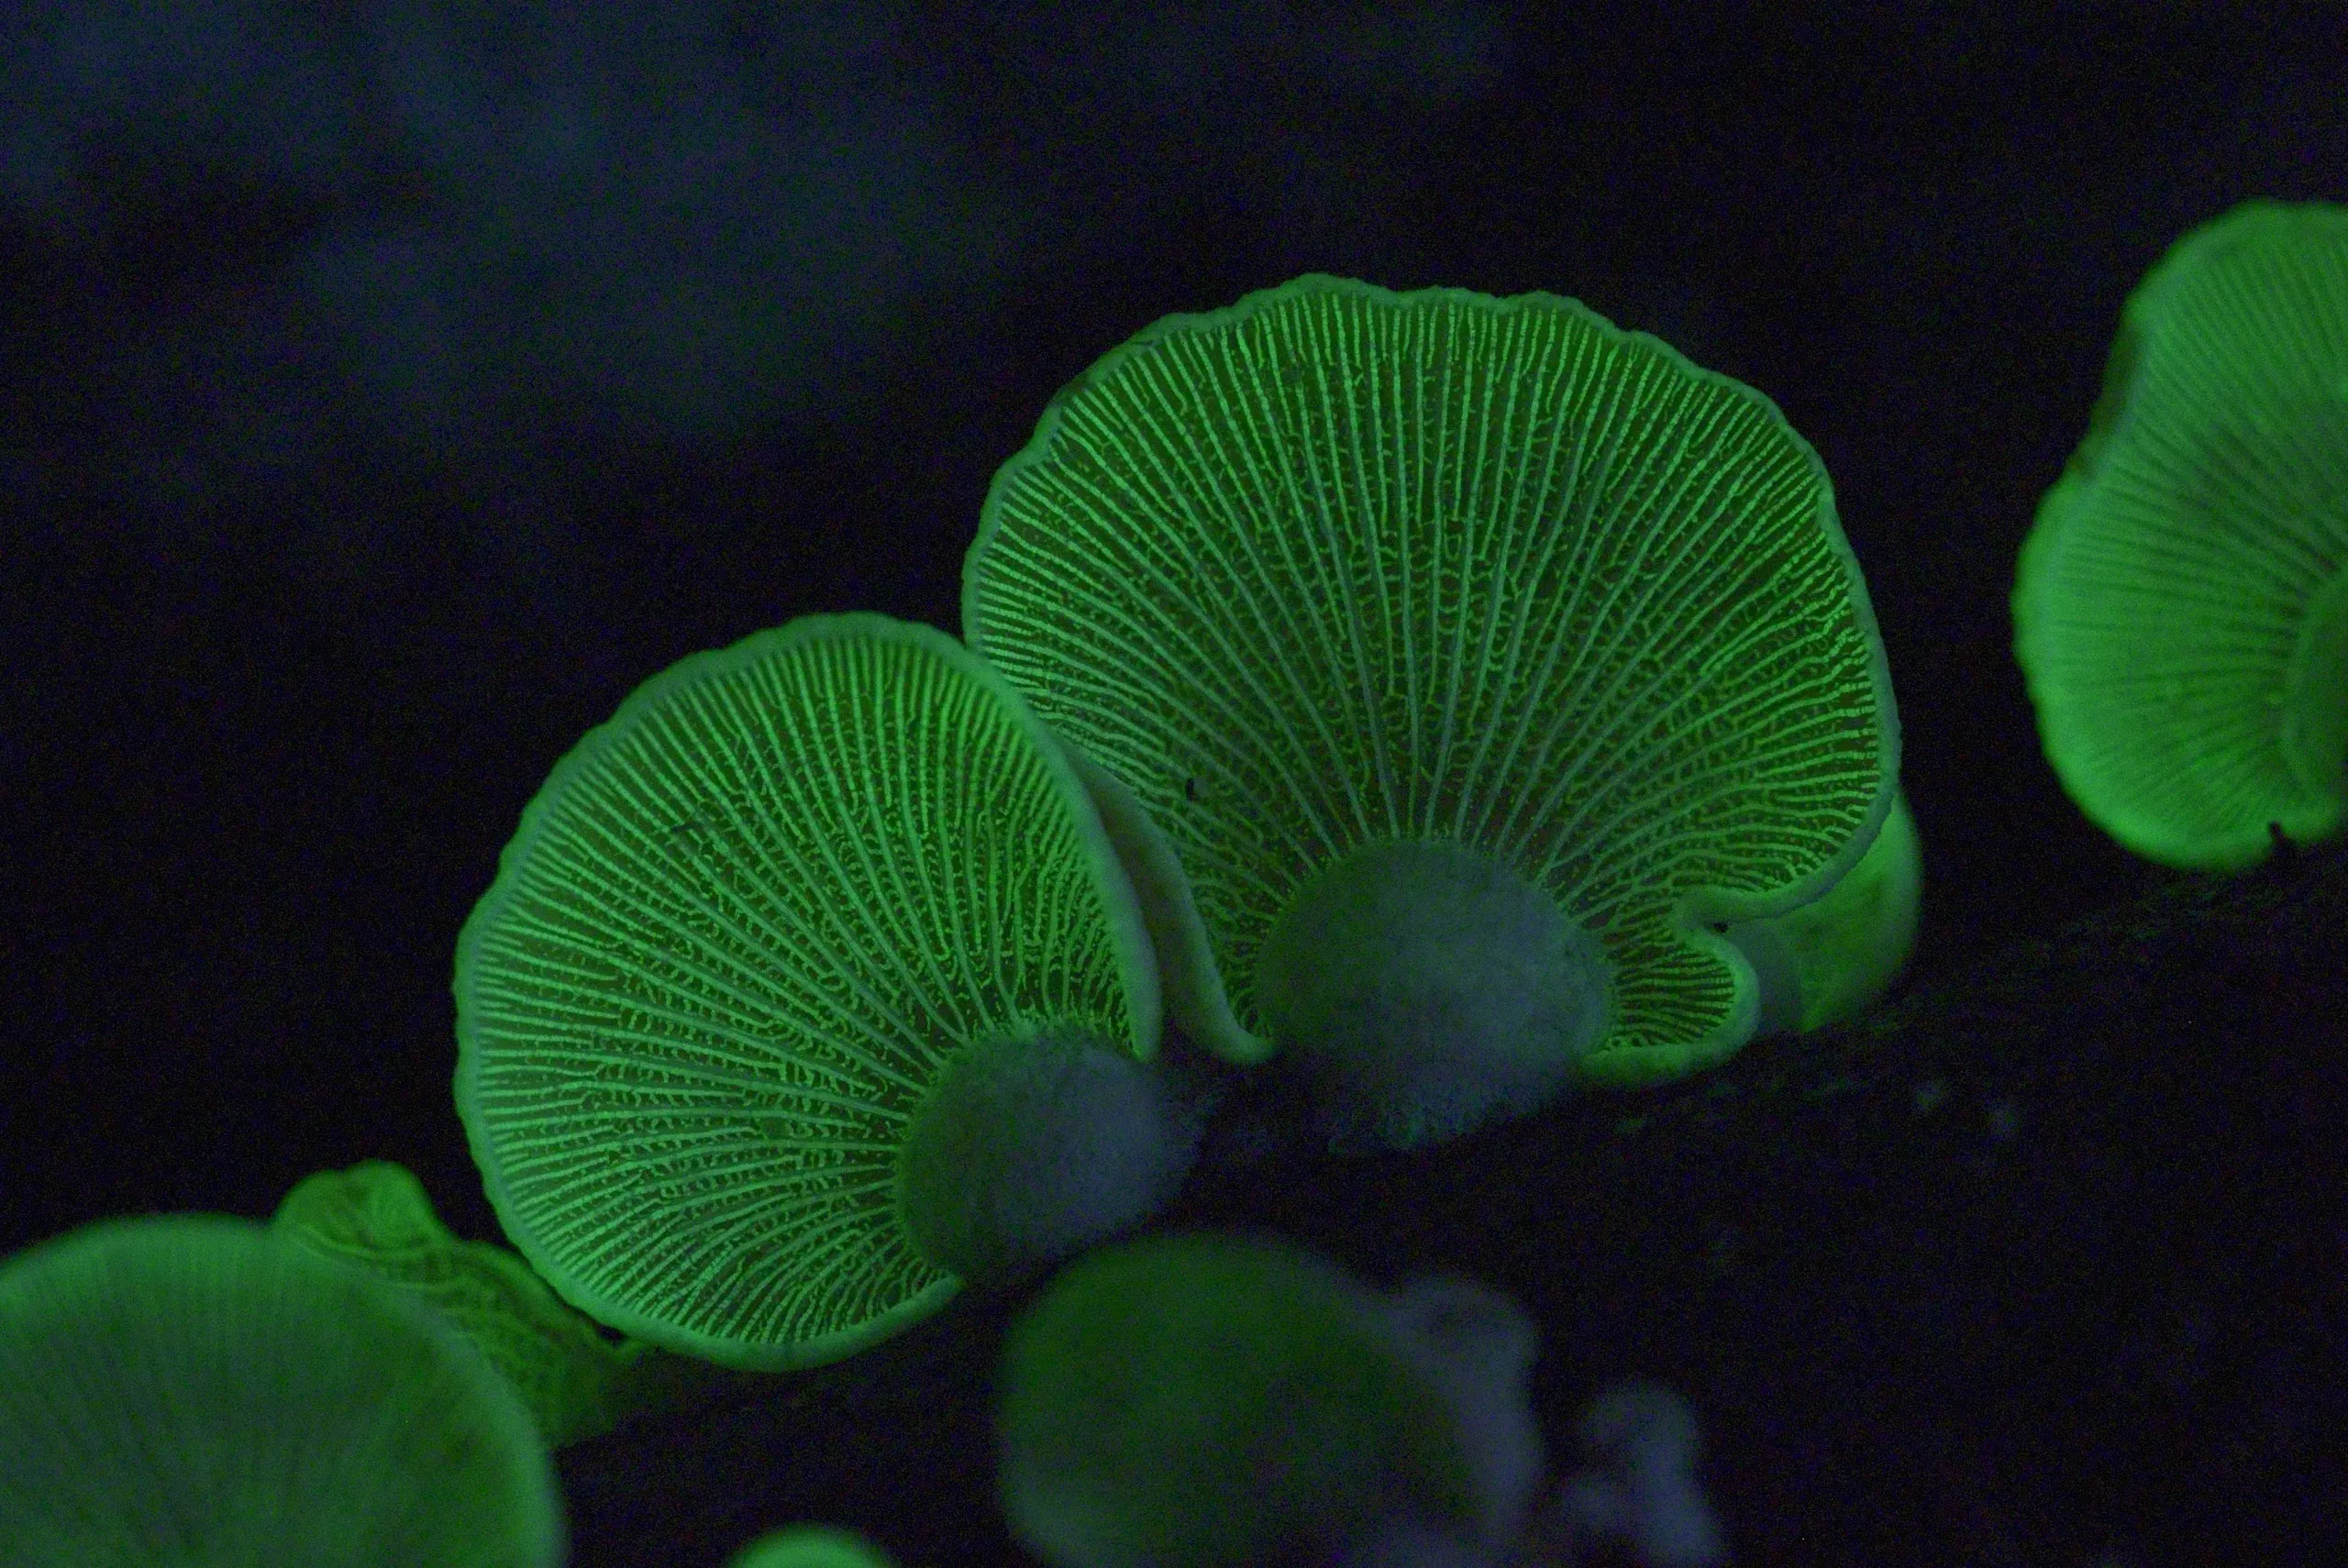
x=286 y=644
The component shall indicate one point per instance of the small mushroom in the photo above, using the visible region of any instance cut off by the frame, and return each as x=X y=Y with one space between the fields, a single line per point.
x=1209 y=1400
x=810 y=1546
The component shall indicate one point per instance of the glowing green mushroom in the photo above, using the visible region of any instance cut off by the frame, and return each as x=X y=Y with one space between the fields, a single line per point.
x=810 y=1546
x=1830 y=960
x=575 y=1383
x=2181 y=604
x=195 y=1389
x=1478 y=660
x=1204 y=1400
x=810 y=986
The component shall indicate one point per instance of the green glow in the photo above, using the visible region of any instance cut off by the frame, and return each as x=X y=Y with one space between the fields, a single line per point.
x=197 y=1389
x=1195 y=1001
x=1832 y=959
x=2315 y=693
x=2179 y=608
x=575 y=1383
x=1181 y=1401
x=810 y=1546
x=1337 y=565
x=736 y=938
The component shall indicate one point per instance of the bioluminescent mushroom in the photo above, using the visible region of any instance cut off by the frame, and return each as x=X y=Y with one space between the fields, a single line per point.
x=575 y=1383
x=196 y=1389
x=1200 y=1400
x=2181 y=604
x=810 y=986
x=1832 y=959
x=1478 y=660
x=810 y=1546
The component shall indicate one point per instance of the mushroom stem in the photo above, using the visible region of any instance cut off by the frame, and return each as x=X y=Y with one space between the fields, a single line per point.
x=1028 y=1150
x=1424 y=986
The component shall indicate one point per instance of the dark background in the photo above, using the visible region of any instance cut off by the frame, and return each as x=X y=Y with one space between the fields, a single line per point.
x=386 y=389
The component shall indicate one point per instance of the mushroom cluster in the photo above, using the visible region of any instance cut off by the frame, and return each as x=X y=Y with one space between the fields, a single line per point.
x=1432 y=695
x=1447 y=701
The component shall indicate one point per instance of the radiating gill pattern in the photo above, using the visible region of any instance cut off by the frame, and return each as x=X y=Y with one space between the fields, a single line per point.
x=1338 y=565
x=737 y=934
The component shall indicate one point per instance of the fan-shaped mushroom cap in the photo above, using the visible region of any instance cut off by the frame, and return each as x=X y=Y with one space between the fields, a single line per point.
x=194 y=1389
x=2181 y=604
x=739 y=937
x=1337 y=568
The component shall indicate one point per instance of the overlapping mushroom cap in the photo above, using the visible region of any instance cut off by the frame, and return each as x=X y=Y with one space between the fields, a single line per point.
x=196 y=1389
x=743 y=934
x=575 y=1383
x=2181 y=605
x=1829 y=961
x=1483 y=587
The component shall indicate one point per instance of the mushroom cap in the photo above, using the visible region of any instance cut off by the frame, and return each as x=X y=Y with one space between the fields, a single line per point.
x=1834 y=957
x=2181 y=603
x=1188 y=1401
x=734 y=939
x=575 y=1383
x=810 y=1546
x=192 y=1388
x=1336 y=565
